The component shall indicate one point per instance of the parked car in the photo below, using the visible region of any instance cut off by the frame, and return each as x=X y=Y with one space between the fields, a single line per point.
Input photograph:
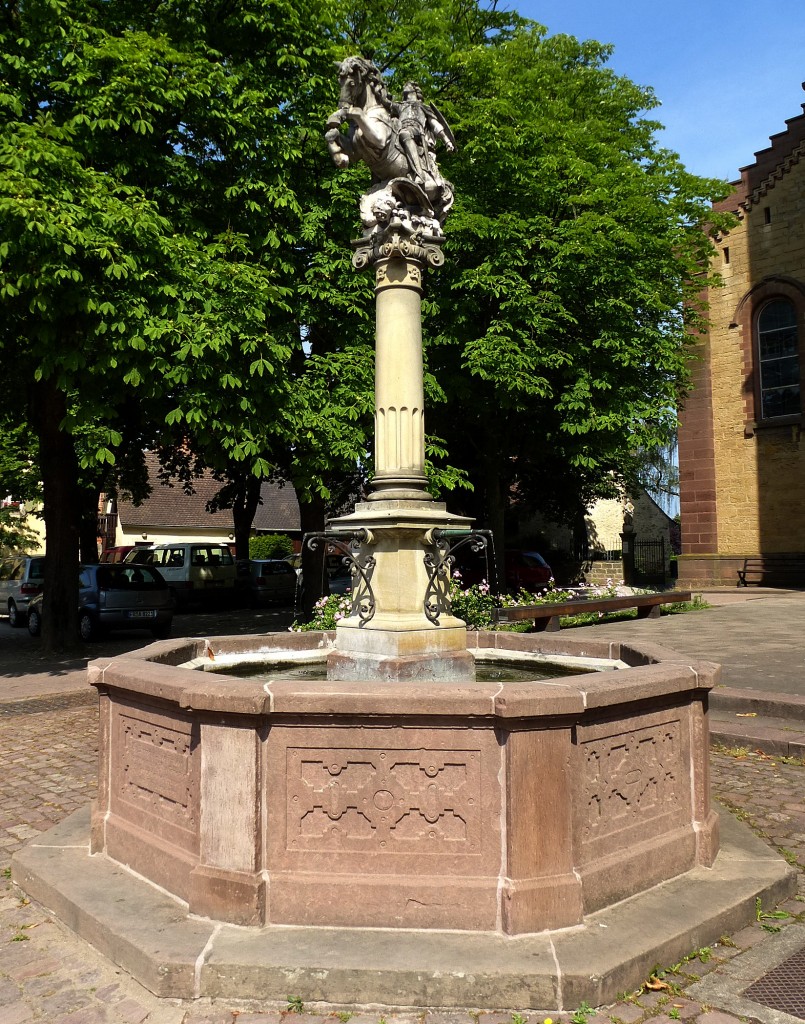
x=21 y=579
x=193 y=571
x=271 y=581
x=116 y=596
x=527 y=569
x=117 y=554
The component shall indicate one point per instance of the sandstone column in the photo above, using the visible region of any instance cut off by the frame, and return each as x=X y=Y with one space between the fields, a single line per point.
x=399 y=391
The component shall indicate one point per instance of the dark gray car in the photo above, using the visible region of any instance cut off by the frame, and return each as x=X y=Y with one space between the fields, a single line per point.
x=21 y=578
x=117 y=596
x=271 y=581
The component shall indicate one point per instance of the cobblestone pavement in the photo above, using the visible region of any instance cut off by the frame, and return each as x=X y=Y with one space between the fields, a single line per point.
x=47 y=769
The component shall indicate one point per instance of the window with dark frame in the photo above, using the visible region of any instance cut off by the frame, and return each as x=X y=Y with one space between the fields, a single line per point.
x=778 y=359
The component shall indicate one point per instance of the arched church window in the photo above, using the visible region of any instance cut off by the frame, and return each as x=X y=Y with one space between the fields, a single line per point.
x=778 y=359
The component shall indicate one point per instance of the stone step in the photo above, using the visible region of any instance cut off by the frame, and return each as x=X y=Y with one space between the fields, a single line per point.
x=764 y=703
x=773 y=723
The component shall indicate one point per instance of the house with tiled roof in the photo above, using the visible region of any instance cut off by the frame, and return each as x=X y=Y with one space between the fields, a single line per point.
x=741 y=450
x=169 y=514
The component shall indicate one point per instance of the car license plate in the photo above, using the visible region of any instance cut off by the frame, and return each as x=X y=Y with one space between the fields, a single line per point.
x=214 y=583
x=142 y=614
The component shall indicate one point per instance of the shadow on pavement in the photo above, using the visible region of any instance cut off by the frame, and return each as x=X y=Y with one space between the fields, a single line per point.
x=27 y=672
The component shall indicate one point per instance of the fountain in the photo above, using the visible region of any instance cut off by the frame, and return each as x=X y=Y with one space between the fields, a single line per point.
x=400 y=833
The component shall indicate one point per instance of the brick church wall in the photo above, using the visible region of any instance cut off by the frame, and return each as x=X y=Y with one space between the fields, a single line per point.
x=743 y=481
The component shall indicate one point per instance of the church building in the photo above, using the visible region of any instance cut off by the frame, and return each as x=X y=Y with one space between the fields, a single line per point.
x=741 y=450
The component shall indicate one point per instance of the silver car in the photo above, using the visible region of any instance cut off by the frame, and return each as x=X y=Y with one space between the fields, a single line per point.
x=117 y=596
x=21 y=579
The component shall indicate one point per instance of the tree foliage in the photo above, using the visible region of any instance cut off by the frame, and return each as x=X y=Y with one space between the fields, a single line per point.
x=147 y=160
x=175 y=272
x=560 y=323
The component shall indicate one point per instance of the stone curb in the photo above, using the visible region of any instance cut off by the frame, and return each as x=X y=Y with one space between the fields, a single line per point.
x=149 y=934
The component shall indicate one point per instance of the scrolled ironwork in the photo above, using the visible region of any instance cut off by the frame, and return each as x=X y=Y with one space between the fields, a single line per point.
x=358 y=560
x=439 y=561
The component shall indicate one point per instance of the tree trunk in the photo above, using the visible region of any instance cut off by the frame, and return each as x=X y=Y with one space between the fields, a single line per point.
x=311 y=514
x=62 y=514
x=244 y=509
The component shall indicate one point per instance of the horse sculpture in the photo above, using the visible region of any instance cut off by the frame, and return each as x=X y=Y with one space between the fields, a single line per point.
x=397 y=141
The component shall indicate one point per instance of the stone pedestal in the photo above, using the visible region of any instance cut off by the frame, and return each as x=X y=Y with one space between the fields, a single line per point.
x=411 y=633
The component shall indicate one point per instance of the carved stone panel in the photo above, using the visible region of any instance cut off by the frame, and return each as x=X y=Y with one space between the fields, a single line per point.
x=385 y=800
x=636 y=781
x=154 y=776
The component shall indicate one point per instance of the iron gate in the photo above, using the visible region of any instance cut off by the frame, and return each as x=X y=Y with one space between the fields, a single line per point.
x=650 y=561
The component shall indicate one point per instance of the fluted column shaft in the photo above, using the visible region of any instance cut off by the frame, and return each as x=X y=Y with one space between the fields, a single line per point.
x=399 y=390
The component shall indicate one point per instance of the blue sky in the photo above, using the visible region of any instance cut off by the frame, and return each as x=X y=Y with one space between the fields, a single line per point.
x=728 y=74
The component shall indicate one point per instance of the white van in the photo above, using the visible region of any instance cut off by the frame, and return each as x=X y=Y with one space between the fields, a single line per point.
x=194 y=572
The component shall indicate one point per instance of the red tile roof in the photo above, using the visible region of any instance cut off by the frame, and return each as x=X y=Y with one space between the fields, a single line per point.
x=167 y=506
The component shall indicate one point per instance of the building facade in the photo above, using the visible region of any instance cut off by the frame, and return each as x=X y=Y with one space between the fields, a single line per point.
x=741 y=451
x=170 y=514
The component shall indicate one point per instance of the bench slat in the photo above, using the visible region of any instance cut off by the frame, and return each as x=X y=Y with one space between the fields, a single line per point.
x=646 y=604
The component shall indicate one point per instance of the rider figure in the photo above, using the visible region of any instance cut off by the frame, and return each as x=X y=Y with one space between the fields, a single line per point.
x=420 y=127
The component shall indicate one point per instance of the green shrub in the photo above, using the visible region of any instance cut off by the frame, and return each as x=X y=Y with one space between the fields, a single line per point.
x=270 y=545
x=327 y=612
x=476 y=605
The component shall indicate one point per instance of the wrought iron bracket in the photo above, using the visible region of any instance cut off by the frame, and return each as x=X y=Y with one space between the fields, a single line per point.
x=439 y=562
x=360 y=562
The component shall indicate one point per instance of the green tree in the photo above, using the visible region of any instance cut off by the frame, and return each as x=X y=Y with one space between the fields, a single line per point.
x=560 y=323
x=134 y=153
x=270 y=545
x=19 y=480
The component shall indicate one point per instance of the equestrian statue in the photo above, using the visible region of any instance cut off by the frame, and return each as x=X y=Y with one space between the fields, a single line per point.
x=397 y=141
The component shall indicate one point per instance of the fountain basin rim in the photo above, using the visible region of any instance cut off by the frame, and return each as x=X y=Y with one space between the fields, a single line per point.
x=277 y=658
x=651 y=672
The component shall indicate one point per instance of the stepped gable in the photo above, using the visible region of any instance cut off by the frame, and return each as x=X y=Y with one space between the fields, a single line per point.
x=787 y=149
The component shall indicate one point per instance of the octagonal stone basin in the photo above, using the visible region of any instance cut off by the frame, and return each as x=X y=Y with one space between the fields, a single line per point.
x=496 y=807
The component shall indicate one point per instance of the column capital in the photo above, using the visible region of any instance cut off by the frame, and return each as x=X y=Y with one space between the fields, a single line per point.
x=394 y=243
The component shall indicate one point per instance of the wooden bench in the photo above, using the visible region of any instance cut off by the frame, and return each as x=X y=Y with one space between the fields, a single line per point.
x=768 y=569
x=546 y=616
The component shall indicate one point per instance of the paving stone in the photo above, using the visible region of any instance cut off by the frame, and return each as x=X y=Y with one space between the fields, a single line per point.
x=63 y=1003
x=107 y=993
x=132 y=1012
x=167 y=1013
x=271 y=1018
x=750 y=936
x=373 y=1018
x=34 y=969
x=15 y=1013
x=626 y=1012
x=686 y=1008
x=47 y=985
x=648 y=1000
x=86 y=1015
x=717 y=1017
